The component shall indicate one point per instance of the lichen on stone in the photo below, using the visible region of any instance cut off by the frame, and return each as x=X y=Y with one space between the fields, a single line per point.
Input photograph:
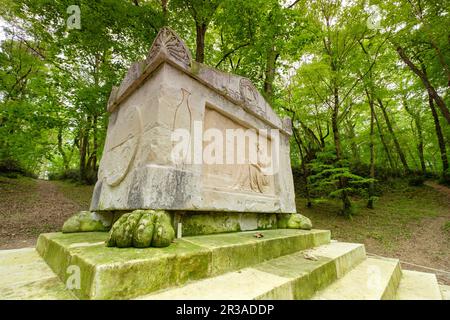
x=294 y=221
x=298 y=221
x=142 y=229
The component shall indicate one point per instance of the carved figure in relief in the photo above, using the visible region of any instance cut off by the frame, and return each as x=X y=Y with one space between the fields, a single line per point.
x=251 y=175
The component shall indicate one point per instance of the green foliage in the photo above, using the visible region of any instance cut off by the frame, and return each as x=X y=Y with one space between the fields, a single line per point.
x=319 y=62
x=446 y=226
x=72 y=175
x=416 y=181
x=326 y=173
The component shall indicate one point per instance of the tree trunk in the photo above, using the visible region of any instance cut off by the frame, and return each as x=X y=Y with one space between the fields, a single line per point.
x=346 y=204
x=391 y=131
x=440 y=136
x=164 y=11
x=352 y=136
x=269 y=74
x=371 y=189
x=305 y=171
x=91 y=166
x=383 y=142
x=424 y=78
x=200 y=41
x=61 y=150
x=420 y=148
x=418 y=124
x=83 y=144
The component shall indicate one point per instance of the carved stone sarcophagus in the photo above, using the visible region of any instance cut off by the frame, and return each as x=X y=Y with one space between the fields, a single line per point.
x=185 y=137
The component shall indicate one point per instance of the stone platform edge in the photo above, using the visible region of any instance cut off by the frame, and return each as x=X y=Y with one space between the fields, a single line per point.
x=121 y=273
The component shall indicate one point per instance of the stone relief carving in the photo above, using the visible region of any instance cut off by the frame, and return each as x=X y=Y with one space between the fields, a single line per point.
x=169 y=42
x=251 y=175
x=183 y=120
x=136 y=170
x=133 y=73
x=287 y=124
x=121 y=146
x=245 y=176
x=249 y=95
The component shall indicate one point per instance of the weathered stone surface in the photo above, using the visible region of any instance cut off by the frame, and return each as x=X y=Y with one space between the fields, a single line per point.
x=141 y=229
x=163 y=232
x=416 y=285
x=118 y=273
x=169 y=92
x=294 y=221
x=287 y=277
x=24 y=275
x=198 y=223
x=143 y=235
x=86 y=221
x=372 y=279
x=298 y=221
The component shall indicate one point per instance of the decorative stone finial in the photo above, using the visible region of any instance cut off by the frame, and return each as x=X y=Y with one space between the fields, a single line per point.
x=168 y=43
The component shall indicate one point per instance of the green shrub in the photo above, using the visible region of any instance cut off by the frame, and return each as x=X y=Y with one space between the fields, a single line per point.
x=446 y=226
x=416 y=181
x=69 y=175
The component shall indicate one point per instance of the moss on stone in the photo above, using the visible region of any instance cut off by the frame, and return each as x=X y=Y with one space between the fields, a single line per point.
x=282 y=220
x=85 y=221
x=205 y=223
x=141 y=229
x=117 y=230
x=143 y=235
x=294 y=221
x=266 y=221
x=118 y=273
x=163 y=234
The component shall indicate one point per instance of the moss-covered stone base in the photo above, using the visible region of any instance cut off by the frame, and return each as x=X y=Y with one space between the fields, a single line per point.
x=118 y=273
x=195 y=223
x=202 y=223
x=294 y=276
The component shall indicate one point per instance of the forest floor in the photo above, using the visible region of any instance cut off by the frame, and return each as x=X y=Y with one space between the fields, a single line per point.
x=408 y=223
x=29 y=207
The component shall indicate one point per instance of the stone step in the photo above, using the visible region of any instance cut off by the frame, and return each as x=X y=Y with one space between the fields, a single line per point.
x=294 y=276
x=445 y=291
x=373 y=279
x=416 y=285
x=121 y=273
x=25 y=275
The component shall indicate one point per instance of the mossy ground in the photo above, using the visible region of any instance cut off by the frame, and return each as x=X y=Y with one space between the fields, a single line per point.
x=407 y=223
x=78 y=193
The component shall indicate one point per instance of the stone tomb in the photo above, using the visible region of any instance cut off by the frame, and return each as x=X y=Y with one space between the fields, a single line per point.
x=202 y=144
x=156 y=174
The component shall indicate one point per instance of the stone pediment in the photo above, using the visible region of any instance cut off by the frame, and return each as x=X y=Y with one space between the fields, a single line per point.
x=169 y=48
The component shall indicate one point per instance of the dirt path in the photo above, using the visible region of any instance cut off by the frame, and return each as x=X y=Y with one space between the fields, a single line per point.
x=443 y=189
x=26 y=210
x=430 y=244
